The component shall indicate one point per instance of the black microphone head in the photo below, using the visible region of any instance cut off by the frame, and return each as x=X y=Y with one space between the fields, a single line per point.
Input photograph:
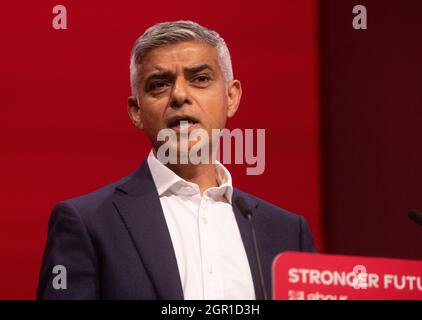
x=243 y=207
x=416 y=216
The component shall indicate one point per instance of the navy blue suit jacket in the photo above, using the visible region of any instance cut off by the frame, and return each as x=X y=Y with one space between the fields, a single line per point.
x=115 y=244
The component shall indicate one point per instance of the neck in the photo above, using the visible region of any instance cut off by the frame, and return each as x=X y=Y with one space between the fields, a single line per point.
x=204 y=175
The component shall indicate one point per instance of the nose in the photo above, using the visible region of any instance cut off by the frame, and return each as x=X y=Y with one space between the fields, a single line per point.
x=180 y=94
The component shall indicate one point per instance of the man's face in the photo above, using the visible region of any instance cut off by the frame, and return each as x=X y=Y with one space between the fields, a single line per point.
x=183 y=82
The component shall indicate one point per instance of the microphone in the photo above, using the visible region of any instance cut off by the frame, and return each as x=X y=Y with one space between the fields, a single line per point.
x=247 y=213
x=415 y=216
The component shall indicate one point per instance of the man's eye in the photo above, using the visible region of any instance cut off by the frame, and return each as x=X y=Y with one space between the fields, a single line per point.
x=156 y=86
x=201 y=79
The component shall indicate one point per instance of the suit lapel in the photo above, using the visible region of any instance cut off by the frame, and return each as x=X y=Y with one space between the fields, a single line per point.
x=246 y=234
x=139 y=206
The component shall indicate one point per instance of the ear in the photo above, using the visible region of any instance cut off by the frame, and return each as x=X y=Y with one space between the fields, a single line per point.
x=134 y=112
x=234 y=93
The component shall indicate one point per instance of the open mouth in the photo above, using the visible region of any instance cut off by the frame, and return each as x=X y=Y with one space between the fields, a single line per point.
x=177 y=122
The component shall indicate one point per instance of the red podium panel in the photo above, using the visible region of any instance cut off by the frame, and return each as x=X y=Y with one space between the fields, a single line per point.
x=311 y=276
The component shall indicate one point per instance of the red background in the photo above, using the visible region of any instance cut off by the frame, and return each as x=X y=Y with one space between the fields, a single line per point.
x=64 y=127
x=371 y=111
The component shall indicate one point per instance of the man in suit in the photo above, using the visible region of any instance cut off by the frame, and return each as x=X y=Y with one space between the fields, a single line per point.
x=170 y=230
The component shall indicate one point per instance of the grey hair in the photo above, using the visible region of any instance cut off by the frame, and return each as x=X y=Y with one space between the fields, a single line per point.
x=167 y=33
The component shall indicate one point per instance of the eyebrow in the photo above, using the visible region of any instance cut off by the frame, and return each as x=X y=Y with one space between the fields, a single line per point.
x=159 y=76
x=168 y=75
x=198 y=69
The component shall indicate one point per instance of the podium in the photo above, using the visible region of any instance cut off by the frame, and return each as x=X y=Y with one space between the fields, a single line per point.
x=312 y=276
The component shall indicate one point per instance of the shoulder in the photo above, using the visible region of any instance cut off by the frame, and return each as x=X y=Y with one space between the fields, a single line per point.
x=283 y=228
x=91 y=203
x=267 y=210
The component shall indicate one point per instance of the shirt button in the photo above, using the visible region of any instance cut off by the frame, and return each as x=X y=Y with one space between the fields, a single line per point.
x=209 y=269
x=204 y=220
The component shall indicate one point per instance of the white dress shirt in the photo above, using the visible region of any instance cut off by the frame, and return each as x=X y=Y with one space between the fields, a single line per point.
x=206 y=239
